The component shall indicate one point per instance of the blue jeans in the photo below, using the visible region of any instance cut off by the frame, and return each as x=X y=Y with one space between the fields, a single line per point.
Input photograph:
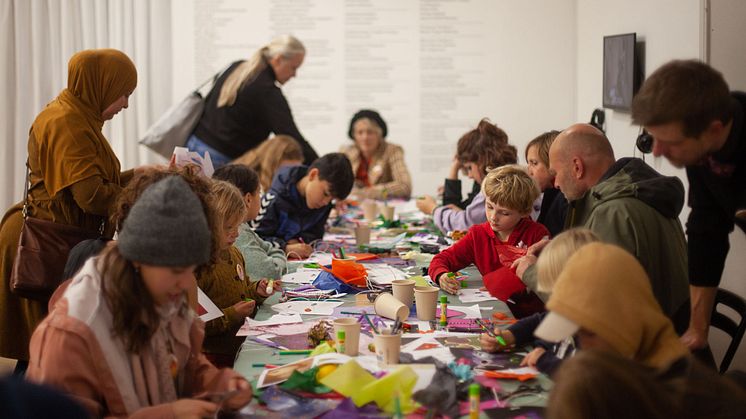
x=218 y=158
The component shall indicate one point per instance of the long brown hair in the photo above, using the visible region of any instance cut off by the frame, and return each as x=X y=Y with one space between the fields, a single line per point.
x=487 y=146
x=266 y=158
x=134 y=316
x=199 y=184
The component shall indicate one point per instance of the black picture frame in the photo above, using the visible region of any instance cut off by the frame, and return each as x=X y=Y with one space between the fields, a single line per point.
x=620 y=76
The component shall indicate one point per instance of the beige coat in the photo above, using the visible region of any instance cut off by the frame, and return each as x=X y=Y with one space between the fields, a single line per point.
x=387 y=172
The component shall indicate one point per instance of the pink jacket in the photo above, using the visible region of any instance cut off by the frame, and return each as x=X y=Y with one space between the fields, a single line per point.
x=67 y=353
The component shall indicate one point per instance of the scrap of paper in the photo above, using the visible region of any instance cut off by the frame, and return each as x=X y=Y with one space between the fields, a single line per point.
x=305 y=276
x=474 y=295
x=206 y=309
x=322 y=308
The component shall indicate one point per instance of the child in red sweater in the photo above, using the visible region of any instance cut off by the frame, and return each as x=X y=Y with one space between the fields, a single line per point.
x=493 y=246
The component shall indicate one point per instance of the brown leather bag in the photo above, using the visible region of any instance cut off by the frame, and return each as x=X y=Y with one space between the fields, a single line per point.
x=42 y=253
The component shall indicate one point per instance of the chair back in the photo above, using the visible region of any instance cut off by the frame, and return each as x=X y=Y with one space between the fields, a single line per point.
x=728 y=325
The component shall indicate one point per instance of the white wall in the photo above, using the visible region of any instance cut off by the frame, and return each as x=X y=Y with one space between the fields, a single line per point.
x=670 y=29
x=433 y=68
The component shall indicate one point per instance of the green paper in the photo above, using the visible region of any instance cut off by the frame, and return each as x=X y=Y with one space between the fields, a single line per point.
x=323 y=348
x=305 y=381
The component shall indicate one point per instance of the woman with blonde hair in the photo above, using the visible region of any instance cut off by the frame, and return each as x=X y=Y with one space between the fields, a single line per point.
x=246 y=104
x=278 y=151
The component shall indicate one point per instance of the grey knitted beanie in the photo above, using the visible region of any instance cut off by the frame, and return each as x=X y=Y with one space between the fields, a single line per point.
x=166 y=227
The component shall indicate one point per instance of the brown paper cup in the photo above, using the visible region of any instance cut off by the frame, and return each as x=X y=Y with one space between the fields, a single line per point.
x=403 y=290
x=426 y=299
x=387 y=348
x=362 y=234
x=370 y=209
x=388 y=306
x=351 y=328
x=388 y=212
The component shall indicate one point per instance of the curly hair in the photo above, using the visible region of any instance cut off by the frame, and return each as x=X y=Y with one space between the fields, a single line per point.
x=487 y=146
x=199 y=184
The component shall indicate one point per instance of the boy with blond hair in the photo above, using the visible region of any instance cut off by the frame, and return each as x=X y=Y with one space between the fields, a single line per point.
x=493 y=246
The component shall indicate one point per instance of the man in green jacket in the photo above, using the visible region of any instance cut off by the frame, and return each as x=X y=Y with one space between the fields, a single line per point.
x=626 y=203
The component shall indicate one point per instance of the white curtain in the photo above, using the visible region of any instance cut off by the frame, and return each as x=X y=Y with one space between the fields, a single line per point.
x=37 y=39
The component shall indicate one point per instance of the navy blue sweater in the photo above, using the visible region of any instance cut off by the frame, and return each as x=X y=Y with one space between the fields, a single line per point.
x=284 y=214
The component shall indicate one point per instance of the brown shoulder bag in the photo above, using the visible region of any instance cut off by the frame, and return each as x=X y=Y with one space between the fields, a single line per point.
x=42 y=253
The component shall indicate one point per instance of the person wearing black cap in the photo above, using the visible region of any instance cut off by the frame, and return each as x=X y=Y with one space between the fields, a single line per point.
x=122 y=339
x=379 y=167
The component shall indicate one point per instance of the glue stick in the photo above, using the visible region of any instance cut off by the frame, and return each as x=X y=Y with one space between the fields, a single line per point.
x=270 y=286
x=341 y=341
x=443 y=311
x=474 y=401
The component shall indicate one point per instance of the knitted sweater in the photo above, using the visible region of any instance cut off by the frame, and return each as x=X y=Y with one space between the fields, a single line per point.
x=263 y=259
x=226 y=284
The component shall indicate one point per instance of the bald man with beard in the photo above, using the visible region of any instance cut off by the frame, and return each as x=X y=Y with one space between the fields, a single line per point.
x=627 y=203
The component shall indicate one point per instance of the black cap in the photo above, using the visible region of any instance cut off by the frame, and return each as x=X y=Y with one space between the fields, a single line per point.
x=369 y=114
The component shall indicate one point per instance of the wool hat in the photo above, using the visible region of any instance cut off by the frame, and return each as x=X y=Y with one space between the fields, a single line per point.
x=166 y=227
x=369 y=114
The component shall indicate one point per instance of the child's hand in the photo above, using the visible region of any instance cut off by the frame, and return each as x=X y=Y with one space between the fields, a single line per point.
x=426 y=204
x=298 y=250
x=532 y=358
x=263 y=288
x=244 y=309
x=522 y=263
x=490 y=344
x=242 y=397
x=193 y=408
x=448 y=284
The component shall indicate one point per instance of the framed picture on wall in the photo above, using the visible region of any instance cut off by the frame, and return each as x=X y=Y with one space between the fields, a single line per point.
x=620 y=75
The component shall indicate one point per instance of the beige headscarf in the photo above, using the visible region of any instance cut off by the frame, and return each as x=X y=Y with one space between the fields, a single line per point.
x=605 y=290
x=70 y=125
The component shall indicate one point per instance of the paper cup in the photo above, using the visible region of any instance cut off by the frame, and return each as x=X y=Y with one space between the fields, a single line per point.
x=370 y=209
x=426 y=299
x=391 y=308
x=403 y=290
x=351 y=327
x=362 y=234
x=388 y=212
x=387 y=348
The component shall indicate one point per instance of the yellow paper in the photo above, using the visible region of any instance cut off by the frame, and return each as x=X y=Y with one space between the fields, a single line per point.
x=348 y=378
x=382 y=391
x=420 y=281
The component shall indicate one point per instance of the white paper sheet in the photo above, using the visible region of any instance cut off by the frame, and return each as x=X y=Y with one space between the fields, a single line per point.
x=275 y=320
x=320 y=308
x=211 y=311
x=323 y=259
x=474 y=295
x=301 y=276
x=382 y=274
